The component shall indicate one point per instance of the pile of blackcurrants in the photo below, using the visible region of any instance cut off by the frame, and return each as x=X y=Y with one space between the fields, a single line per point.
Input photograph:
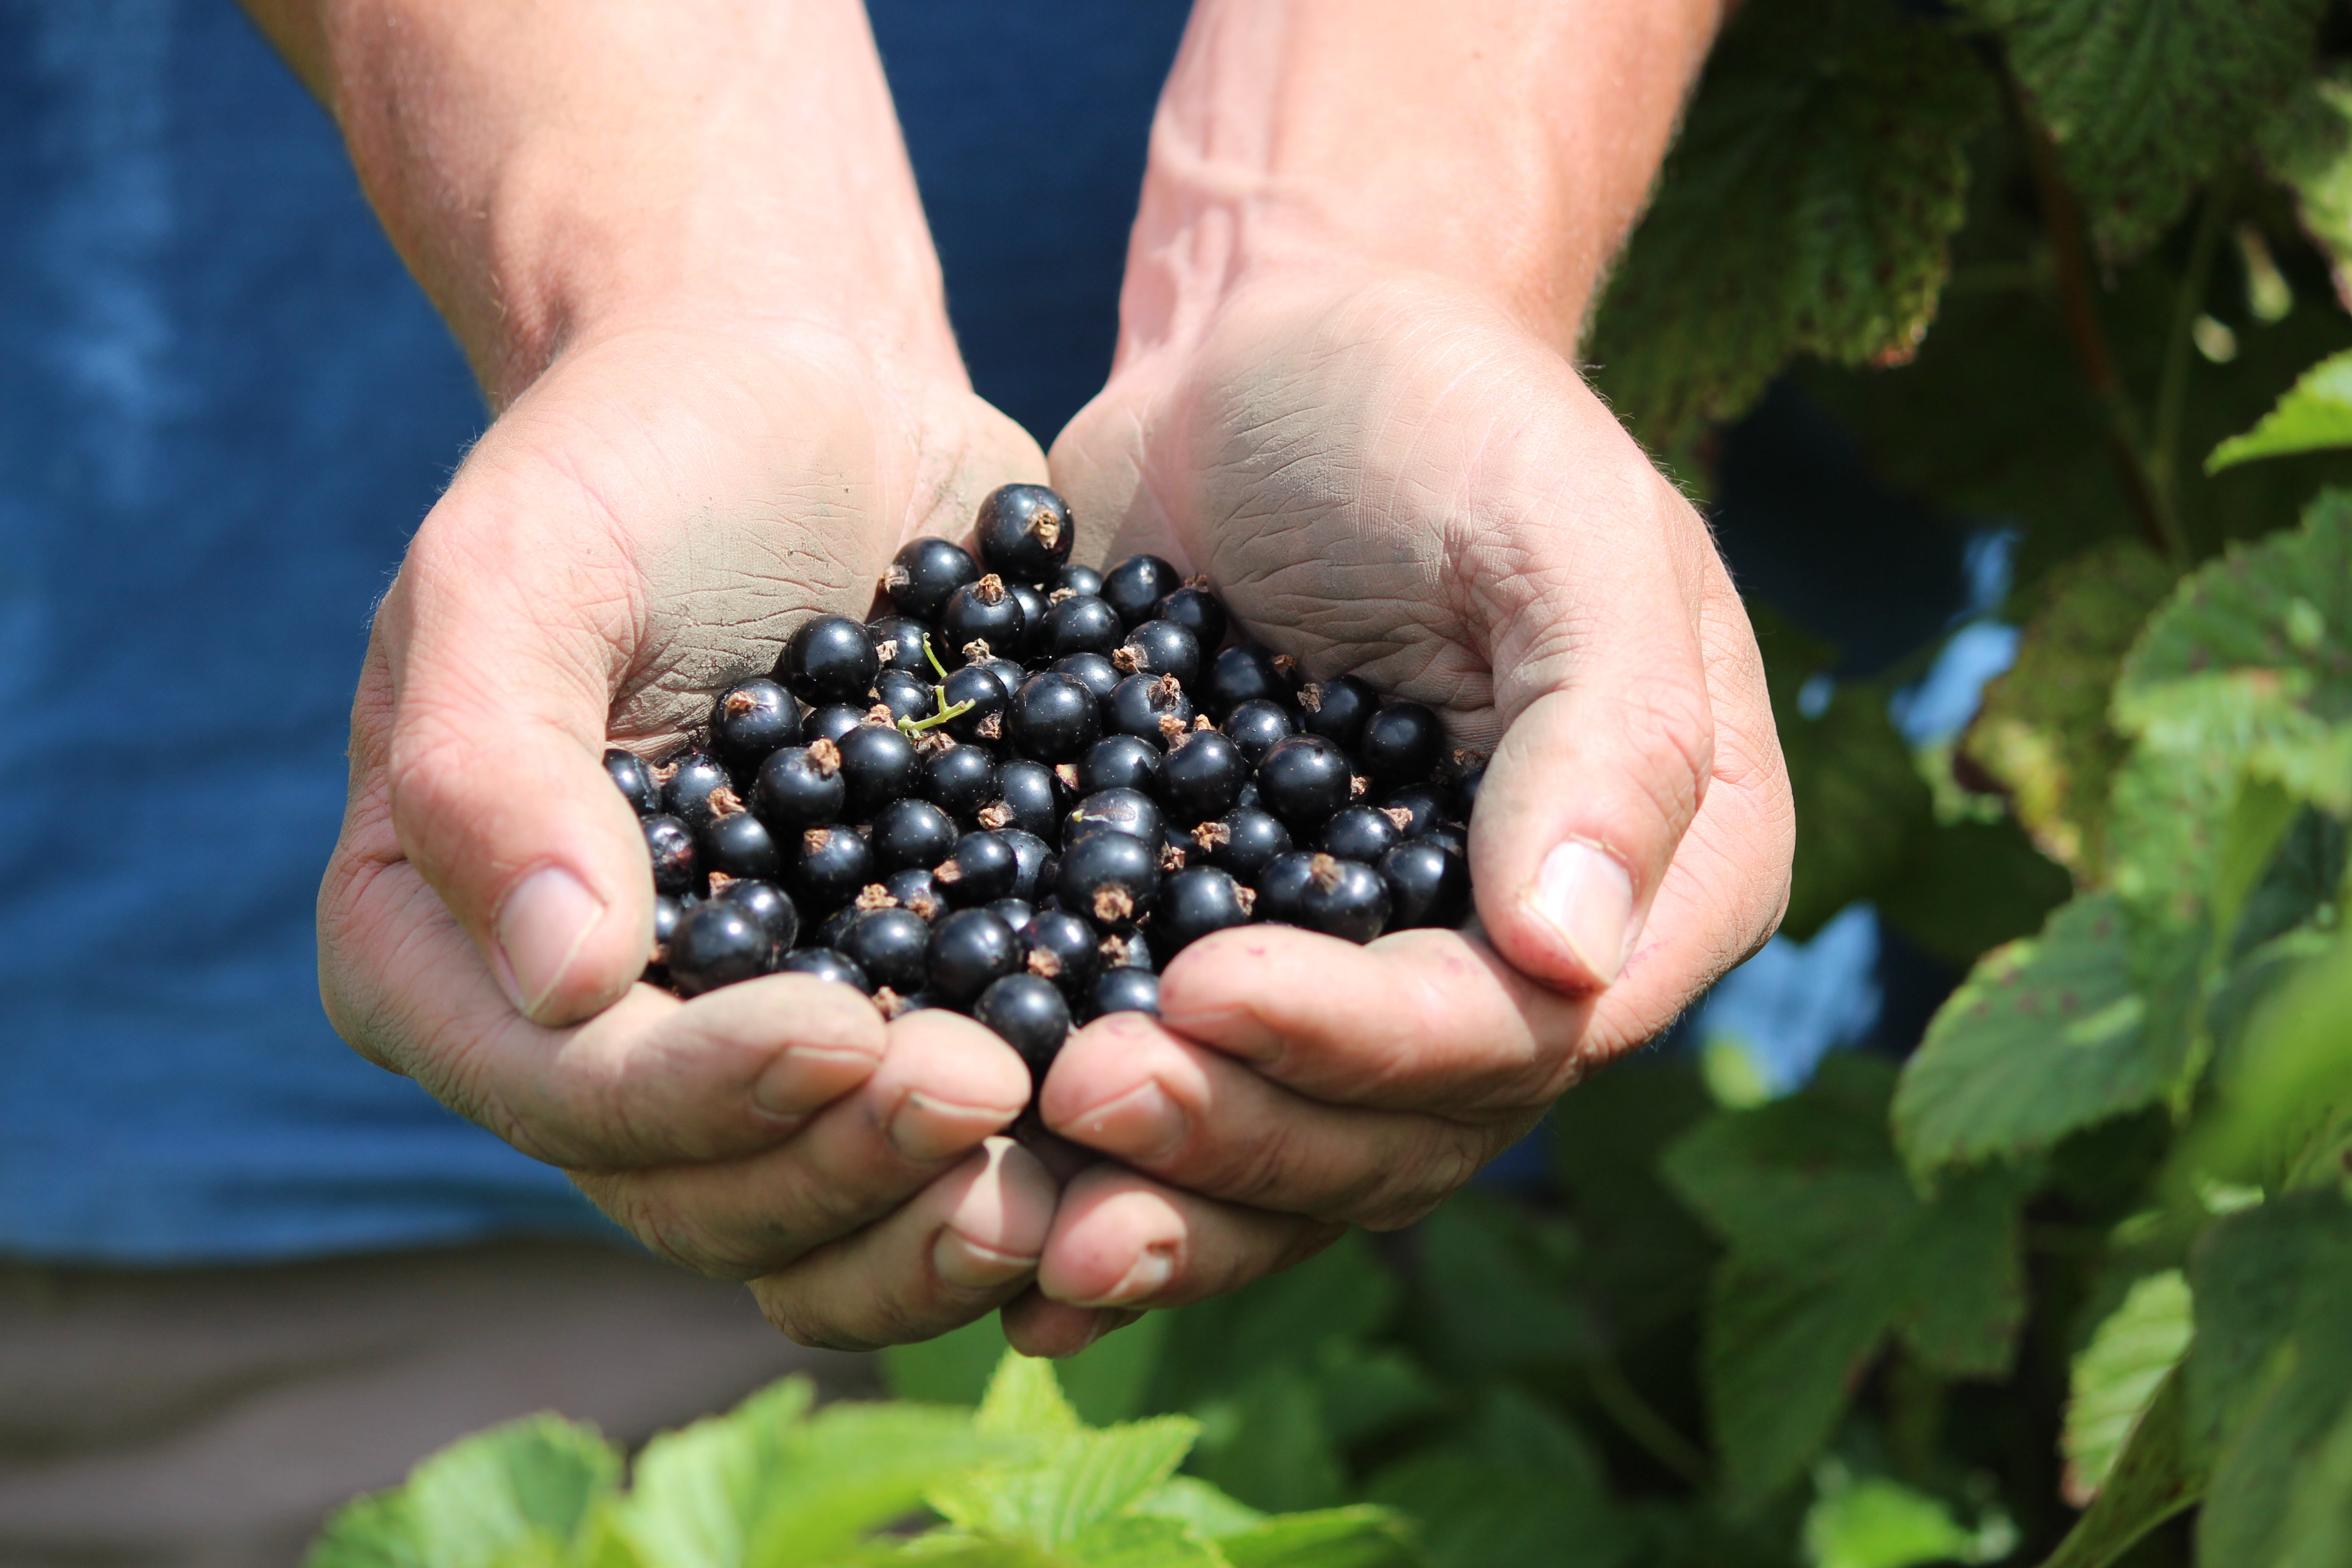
x=1030 y=785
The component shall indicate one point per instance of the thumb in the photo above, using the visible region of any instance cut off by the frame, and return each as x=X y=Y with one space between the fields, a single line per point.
x=1608 y=739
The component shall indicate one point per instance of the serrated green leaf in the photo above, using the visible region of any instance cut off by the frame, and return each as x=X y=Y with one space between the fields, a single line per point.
x=2116 y=1377
x=2309 y=147
x=1782 y=1351
x=1359 y=1537
x=2281 y=1116
x=2312 y=415
x=1071 y=1477
x=2251 y=661
x=1025 y=1400
x=856 y=1467
x=1805 y=209
x=2155 y=1477
x=699 y=1493
x=514 y=1494
x=1881 y=1523
x=1139 y=1541
x=2145 y=98
x=2042 y=729
x=1495 y=1277
x=372 y=1532
x=1470 y=1516
x=1199 y=1507
x=2317 y=1530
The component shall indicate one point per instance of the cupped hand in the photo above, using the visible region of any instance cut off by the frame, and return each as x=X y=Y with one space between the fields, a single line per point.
x=641 y=528
x=1393 y=479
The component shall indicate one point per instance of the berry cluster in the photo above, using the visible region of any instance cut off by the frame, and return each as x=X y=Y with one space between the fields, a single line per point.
x=1029 y=784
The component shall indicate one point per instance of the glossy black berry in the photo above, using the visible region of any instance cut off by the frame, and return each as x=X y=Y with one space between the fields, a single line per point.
x=1064 y=949
x=1427 y=886
x=1282 y=887
x=979 y=612
x=825 y=964
x=1083 y=625
x=1303 y=780
x=1024 y=532
x=1127 y=950
x=892 y=946
x=1153 y=708
x=835 y=926
x=802 y=787
x=1248 y=673
x=737 y=843
x=1015 y=912
x=914 y=890
x=1120 y=762
x=906 y=696
x=1198 y=611
x=1243 y=842
x=958 y=780
x=670 y=844
x=1401 y=743
x=1053 y=719
x=832 y=721
x=751 y=720
x=1037 y=866
x=879 y=765
x=968 y=951
x=1256 y=725
x=695 y=778
x=1075 y=578
x=1031 y=1016
x=766 y=903
x=1160 y=647
x=978 y=691
x=898 y=643
x=1202 y=776
x=1126 y=991
x=1463 y=772
x=1343 y=898
x=667 y=912
x=1336 y=708
x=910 y=833
x=1109 y=878
x=1028 y=798
x=1195 y=902
x=717 y=944
x=1448 y=835
x=1093 y=672
x=634 y=780
x=1136 y=585
x=1033 y=621
x=1127 y=811
x=829 y=660
x=1361 y=833
x=827 y=867
x=923 y=573
x=1424 y=807
x=1008 y=674
x=977 y=869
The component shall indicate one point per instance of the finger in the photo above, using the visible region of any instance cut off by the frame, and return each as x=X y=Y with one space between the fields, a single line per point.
x=967 y=1244
x=1193 y=1117
x=1122 y=1239
x=1422 y=1020
x=944 y=1087
x=1037 y=1325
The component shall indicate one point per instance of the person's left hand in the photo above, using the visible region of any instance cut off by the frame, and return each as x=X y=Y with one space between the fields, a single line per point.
x=1391 y=478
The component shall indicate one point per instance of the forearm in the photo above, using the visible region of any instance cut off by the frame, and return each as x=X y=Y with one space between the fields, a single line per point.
x=1504 y=145
x=548 y=168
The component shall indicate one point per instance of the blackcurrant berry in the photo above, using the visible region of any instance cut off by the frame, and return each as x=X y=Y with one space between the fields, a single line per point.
x=737 y=843
x=984 y=611
x=1126 y=991
x=1449 y=837
x=1427 y=886
x=1198 y=611
x=1424 y=807
x=1085 y=625
x=1028 y=798
x=753 y=718
x=1360 y=833
x=910 y=833
x=1401 y=743
x=1070 y=577
x=1195 y=902
x=898 y=643
x=667 y=912
x=835 y=926
x=1463 y=772
x=1015 y=914
x=827 y=867
x=634 y=780
x=1243 y=842
x=892 y=946
x=1110 y=878
x=968 y=951
x=1202 y=776
x=958 y=780
x=1150 y=707
x=1119 y=761
x=1093 y=672
x=1160 y=647
x=1063 y=949
x=906 y=695
x=1136 y=584
x=1053 y=719
x=915 y=892
x=829 y=660
x=1336 y=708
x=1127 y=811
x=1024 y=532
x=1037 y=866
x=983 y=722
x=1008 y=674
x=1127 y=950
x=923 y=573
x=690 y=786
x=1256 y=725
x=832 y=721
x=1343 y=898
x=716 y=944
x=1303 y=780
x=671 y=842
x=1282 y=887
x=879 y=765
x=1031 y=1017
x=825 y=964
x=1248 y=673
x=801 y=787
x=766 y=903
x=977 y=869
x=1032 y=643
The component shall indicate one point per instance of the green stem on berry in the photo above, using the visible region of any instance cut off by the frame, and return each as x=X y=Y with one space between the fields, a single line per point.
x=933 y=658
x=911 y=728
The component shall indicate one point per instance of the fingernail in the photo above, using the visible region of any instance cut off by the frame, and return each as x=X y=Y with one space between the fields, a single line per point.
x=540 y=930
x=807 y=1076
x=1150 y=1276
x=1588 y=898
x=925 y=1130
x=1142 y=1124
x=959 y=1260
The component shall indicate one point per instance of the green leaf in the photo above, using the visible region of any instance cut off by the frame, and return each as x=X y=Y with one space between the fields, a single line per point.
x=1025 y=1400
x=2043 y=730
x=1111 y=1378
x=2145 y=98
x=2117 y=1375
x=1880 y=1524
x=1964 y=888
x=2155 y=1477
x=1267 y=1444
x=700 y=1492
x=1199 y=1507
x=952 y=1369
x=856 y=1467
x=1344 y=1293
x=2314 y=414
x=1518 y=1483
x=372 y=1532
x=2281 y=1116
x=1805 y=209
x=496 y=1496
x=1139 y=1541
x=1648 y=1258
x=1496 y=1277
x=2309 y=146
x=1359 y=1537
x=2045 y=1037
x=2250 y=661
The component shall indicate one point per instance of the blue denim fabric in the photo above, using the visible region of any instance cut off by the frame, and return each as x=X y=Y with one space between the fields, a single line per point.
x=223 y=407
